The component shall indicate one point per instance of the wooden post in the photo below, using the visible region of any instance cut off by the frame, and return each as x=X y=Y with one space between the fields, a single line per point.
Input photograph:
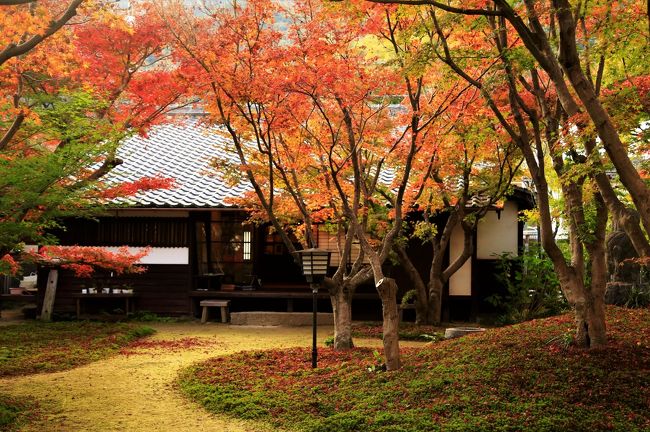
x=50 y=294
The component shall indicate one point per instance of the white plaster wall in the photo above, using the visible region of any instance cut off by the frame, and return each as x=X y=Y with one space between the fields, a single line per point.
x=497 y=235
x=460 y=283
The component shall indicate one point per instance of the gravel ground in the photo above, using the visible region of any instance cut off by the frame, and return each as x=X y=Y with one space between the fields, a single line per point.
x=134 y=392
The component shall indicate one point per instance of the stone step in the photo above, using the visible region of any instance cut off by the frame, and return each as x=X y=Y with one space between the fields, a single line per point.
x=290 y=319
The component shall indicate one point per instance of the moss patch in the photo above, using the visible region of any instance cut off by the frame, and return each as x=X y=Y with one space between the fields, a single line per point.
x=523 y=377
x=407 y=331
x=49 y=347
x=14 y=412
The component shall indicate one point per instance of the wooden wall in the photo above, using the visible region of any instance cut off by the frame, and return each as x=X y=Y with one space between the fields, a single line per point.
x=132 y=231
x=163 y=289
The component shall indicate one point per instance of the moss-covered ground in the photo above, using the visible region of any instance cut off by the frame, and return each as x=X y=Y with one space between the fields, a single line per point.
x=522 y=377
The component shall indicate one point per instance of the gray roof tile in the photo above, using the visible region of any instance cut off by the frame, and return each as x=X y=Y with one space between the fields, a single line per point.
x=182 y=152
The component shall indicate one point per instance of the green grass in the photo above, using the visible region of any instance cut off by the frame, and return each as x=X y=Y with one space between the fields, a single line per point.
x=523 y=377
x=49 y=347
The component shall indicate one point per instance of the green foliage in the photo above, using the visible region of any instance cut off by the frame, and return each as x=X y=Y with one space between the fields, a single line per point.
x=563 y=341
x=425 y=231
x=378 y=364
x=343 y=422
x=532 y=289
x=523 y=377
x=39 y=183
x=8 y=415
x=435 y=337
x=409 y=297
x=407 y=331
x=639 y=295
x=139 y=332
x=329 y=341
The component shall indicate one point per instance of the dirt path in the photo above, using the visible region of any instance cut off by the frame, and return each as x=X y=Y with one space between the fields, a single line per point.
x=135 y=393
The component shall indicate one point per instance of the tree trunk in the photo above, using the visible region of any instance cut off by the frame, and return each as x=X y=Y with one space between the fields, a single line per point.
x=341 y=299
x=387 y=289
x=595 y=292
x=435 y=300
x=597 y=325
x=422 y=297
x=591 y=329
x=50 y=295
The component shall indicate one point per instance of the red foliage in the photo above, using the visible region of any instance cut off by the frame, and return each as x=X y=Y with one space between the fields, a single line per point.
x=140 y=185
x=126 y=63
x=85 y=260
x=8 y=265
x=145 y=346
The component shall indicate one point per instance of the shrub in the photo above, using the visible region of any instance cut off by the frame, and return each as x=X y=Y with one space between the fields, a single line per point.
x=639 y=295
x=532 y=289
x=139 y=332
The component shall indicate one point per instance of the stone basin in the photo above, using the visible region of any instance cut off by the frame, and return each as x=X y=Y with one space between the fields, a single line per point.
x=456 y=332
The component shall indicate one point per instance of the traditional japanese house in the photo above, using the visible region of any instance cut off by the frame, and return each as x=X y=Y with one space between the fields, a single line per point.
x=203 y=247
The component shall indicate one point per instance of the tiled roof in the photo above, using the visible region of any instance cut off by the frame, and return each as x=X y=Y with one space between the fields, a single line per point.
x=182 y=152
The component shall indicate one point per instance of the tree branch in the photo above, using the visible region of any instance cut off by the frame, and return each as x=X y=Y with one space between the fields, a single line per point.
x=445 y=7
x=18 y=121
x=15 y=2
x=13 y=50
x=105 y=168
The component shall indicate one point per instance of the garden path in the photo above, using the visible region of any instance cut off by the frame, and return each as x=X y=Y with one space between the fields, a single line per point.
x=134 y=392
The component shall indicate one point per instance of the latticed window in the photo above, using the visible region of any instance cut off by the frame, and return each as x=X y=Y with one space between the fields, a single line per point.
x=224 y=245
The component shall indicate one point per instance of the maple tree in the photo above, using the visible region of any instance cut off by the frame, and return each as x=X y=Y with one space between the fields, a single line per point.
x=321 y=145
x=85 y=260
x=237 y=68
x=576 y=65
x=237 y=56
x=353 y=135
x=461 y=171
x=525 y=101
x=70 y=94
x=43 y=19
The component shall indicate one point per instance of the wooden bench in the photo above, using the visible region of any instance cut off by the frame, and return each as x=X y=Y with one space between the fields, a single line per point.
x=223 y=304
x=105 y=298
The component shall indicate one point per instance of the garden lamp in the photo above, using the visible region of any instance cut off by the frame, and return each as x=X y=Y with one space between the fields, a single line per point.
x=314 y=263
